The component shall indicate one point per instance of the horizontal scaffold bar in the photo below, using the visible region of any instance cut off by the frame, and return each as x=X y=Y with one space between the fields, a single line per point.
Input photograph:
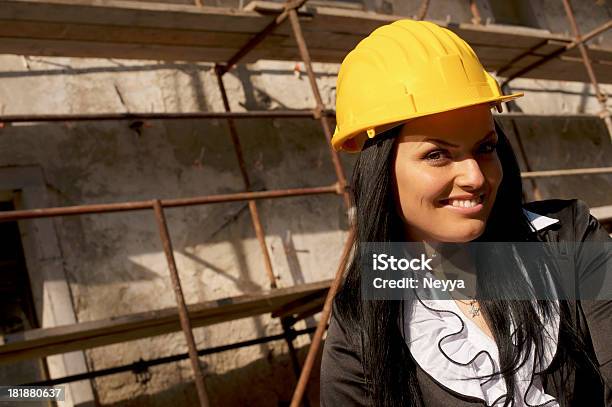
x=264 y=114
x=43 y=342
x=167 y=203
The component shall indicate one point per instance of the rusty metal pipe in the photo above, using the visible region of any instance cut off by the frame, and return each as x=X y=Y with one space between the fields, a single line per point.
x=167 y=203
x=255 y=219
x=180 y=301
x=260 y=36
x=313 y=351
x=145 y=364
x=261 y=239
x=535 y=188
x=582 y=48
x=305 y=55
x=517 y=58
x=232 y=130
x=423 y=10
x=532 y=66
x=272 y=114
x=476 y=19
x=601 y=97
x=295 y=363
x=575 y=42
x=593 y=33
x=560 y=173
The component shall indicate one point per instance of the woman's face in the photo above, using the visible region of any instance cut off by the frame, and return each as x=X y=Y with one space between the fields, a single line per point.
x=447 y=173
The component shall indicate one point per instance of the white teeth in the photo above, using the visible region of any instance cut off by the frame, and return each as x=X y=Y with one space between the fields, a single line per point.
x=465 y=203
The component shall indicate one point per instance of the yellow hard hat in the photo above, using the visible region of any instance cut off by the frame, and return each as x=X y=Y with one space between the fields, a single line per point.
x=406 y=70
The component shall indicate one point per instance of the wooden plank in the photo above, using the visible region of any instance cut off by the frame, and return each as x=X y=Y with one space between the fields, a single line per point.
x=157 y=31
x=596 y=54
x=133 y=14
x=488 y=52
x=602 y=69
x=85 y=49
x=500 y=36
x=297 y=306
x=50 y=341
x=362 y=23
x=341 y=21
x=150 y=52
x=315 y=40
x=120 y=34
x=492 y=63
x=307 y=308
x=314 y=309
x=568 y=66
x=571 y=69
x=319 y=39
x=186 y=2
x=495 y=45
x=550 y=47
x=317 y=54
x=356 y=22
x=346 y=42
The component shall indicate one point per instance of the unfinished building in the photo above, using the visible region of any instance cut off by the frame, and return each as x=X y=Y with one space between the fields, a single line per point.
x=172 y=214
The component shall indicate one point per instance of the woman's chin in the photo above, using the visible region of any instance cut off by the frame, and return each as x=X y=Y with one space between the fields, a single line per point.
x=466 y=232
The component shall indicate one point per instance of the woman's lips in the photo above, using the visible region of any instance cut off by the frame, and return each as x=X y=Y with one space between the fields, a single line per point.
x=466 y=205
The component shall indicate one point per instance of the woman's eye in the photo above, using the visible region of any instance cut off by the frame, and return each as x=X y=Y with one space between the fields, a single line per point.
x=437 y=155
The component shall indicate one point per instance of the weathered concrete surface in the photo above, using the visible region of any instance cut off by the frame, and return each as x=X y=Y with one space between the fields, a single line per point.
x=550 y=15
x=544 y=14
x=114 y=263
x=561 y=143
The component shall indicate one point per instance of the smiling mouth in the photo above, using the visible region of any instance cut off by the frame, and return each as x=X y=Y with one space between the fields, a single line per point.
x=464 y=202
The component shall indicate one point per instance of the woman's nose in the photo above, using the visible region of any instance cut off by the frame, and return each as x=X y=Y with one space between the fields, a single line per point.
x=469 y=174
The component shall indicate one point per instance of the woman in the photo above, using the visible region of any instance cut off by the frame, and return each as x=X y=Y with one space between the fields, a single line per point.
x=434 y=167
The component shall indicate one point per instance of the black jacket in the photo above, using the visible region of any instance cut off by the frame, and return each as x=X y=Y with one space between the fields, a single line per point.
x=342 y=375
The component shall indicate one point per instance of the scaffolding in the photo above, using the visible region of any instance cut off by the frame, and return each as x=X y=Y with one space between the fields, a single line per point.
x=538 y=55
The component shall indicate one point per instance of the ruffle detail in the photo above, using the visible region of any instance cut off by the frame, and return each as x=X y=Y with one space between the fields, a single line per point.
x=462 y=354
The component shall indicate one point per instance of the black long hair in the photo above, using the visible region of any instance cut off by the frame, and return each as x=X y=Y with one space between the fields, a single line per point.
x=390 y=371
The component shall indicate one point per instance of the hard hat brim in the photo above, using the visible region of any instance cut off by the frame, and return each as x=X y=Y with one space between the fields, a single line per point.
x=354 y=139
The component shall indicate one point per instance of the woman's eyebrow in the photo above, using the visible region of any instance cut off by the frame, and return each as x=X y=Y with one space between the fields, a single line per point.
x=438 y=141
x=446 y=143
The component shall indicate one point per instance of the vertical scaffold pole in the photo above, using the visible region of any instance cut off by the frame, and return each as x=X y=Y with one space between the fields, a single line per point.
x=313 y=351
x=259 y=231
x=180 y=301
x=305 y=55
x=601 y=96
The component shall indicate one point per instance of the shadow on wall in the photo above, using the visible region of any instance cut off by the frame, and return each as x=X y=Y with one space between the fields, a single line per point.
x=551 y=143
x=69 y=70
x=550 y=15
x=107 y=162
x=263 y=383
x=188 y=68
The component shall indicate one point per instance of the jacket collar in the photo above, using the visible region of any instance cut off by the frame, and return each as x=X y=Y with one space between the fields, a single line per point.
x=453 y=350
x=539 y=222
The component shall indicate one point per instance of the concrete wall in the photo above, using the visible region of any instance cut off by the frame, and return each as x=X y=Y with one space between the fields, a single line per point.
x=113 y=264
x=550 y=15
x=544 y=14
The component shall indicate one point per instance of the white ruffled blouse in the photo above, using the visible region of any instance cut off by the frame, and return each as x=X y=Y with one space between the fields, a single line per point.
x=456 y=353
